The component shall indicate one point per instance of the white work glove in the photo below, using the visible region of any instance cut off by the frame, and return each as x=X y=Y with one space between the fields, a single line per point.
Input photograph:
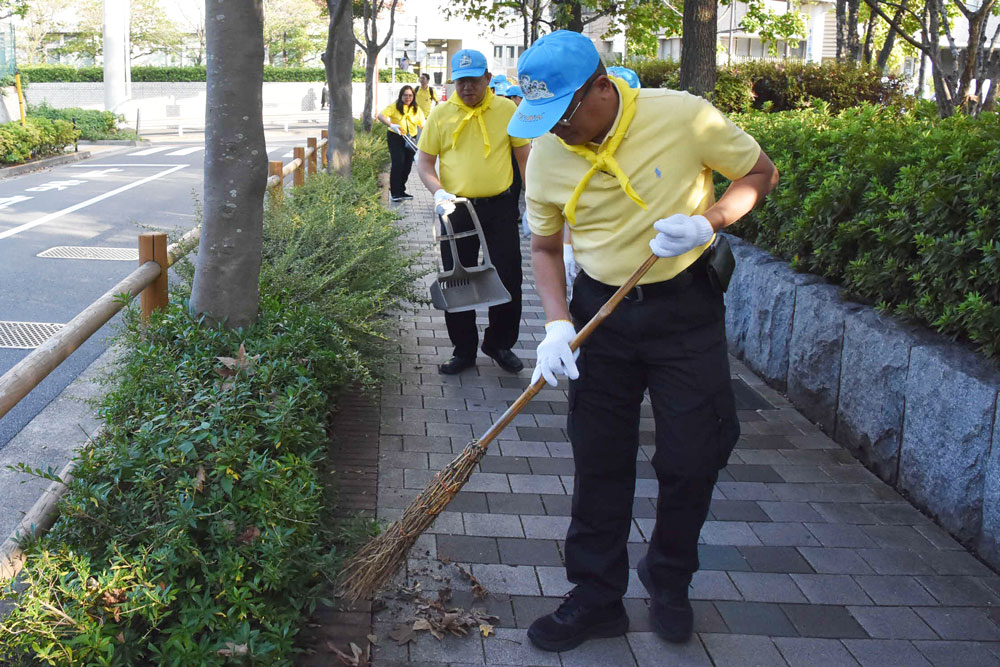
x=554 y=355
x=570 y=263
x=395 y=128
x=444 y=202
x=680 y=233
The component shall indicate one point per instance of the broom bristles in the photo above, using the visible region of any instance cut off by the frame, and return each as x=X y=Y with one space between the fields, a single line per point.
x=376 y=562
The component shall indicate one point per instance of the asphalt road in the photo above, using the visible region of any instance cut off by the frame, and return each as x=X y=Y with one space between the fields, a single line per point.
x=105 y=201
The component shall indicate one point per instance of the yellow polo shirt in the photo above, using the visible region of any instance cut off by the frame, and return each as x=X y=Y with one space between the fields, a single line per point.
x=674 y=143
x=409 y=121
x=425 y=101
x=464 y=170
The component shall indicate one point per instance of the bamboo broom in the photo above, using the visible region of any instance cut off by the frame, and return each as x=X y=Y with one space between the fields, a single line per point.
x=375 y=563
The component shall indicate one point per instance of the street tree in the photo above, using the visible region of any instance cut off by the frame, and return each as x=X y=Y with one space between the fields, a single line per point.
x=699 y=46
x=370 y=11
x=227 y=268
x=151 y=30
x=978 y=63
x=292 y=31
x=11 y=8
x=43 y=22
x=339 y=62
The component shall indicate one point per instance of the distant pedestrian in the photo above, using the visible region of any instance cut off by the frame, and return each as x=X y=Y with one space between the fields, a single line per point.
x=427 y=97
x=403 y=118
x=404 y=62
x=324 y=97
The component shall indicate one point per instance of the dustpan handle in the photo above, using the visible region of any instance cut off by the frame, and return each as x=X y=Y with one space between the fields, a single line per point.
x=479 y=229
x=507 y=417
x=450 y=233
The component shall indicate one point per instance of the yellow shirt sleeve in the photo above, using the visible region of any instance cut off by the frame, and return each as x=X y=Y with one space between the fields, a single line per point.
x=545 y=217
x=430 y=138
x=517 y=142
x=724 y=146
x=421 y=119
x=392 y=113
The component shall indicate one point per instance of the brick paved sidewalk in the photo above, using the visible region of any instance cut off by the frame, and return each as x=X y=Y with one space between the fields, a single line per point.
x=807 y=558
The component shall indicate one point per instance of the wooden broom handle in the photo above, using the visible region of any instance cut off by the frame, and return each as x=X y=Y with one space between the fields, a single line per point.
x=507 y=417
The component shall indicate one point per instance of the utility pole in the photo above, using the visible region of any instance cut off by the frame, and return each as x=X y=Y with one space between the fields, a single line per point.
x=117 y=68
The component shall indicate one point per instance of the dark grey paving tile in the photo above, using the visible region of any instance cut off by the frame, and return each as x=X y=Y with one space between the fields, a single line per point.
x=898 y=537
x=514 y=551
x=539 y=433
x=728 y=650
x=825 y=621
x=830 y=589
x=467 y=549
x=753 y=473
x=557 y=505
x=896 y=514
x=514 y=503
x=551 y=466
x=775 y=559
x=767 y=587
x=784 y=534
x=949 y=654
x=756 y=618
x=720 y=557
x=599 y=653
x=811 y=652
x=738 y=510
x=505 y=464
x=643 y=508
x=885 y=653
x=707 y=617
x=854 y=513
x=840 y=535
x=950 y=562
x=789 y=511
x=892 y=623
x=468 y=501
x=894 y=590
x=895 y=561
x=528 y=608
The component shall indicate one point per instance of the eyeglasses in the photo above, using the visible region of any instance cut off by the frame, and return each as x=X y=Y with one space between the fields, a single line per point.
x=565 y=120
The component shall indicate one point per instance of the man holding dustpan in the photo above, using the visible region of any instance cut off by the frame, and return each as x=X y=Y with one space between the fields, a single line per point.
x=630 y=171
x=468 y=135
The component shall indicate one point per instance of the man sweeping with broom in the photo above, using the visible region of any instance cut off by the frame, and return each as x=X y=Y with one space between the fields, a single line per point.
x=631 y=170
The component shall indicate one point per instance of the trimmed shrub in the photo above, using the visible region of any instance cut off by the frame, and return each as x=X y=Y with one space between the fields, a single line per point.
x=196 y=529
x=146 y=74
x=92 y=124
x=40 y=137
x=786 y=86
x=900 y=209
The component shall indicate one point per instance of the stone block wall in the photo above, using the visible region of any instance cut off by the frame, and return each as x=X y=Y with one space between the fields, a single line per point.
x=918 y=410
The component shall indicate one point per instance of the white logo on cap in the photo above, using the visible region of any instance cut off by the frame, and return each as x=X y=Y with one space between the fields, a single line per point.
x=465 y=60
x=534 y=89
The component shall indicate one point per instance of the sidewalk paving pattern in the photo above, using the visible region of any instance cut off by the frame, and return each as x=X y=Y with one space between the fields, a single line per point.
x=807 y=558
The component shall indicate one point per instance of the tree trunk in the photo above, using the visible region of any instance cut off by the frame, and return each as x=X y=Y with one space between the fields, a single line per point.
x=882 y=62
x=841 y=29
x=366 y=116
x=698 y=47
x=229 y=253
x=869 y=42
x=567 y=15
x=339 y=61
x=853 y=42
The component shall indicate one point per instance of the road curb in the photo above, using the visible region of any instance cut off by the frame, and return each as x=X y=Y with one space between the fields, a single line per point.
x=44 y=163
x=116 y=142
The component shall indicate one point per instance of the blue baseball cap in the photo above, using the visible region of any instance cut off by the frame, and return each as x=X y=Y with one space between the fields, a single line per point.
x=630 y=77
x=467 y=62
x=513 y=91
x=549 y=73
x=498 y=81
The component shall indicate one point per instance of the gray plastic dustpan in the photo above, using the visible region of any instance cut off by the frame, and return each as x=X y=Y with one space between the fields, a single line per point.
x=466 y=287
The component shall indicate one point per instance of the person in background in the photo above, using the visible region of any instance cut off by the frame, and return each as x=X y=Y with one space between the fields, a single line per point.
x=403 y=118
x=426 y=95
x=513 y=93
x=466 y=140
x=404 y=62
x=496 y=81
x=626 y=74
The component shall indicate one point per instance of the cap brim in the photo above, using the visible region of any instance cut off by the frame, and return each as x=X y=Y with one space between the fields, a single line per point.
x=533 y=119
x=468 y=71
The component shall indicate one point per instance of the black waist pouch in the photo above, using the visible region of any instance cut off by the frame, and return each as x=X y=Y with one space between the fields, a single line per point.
x=721 y=263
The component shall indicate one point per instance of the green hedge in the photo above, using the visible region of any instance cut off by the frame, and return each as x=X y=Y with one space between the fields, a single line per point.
x=903 y=210
x=786 y=86
x=196 y=531
x=65 y=73
x=92 y=124
x=40 y=137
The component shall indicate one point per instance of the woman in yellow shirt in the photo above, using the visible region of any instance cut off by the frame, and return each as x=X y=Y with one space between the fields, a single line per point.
x=403 y=117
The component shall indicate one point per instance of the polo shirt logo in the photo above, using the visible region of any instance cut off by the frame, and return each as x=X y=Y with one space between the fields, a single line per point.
x=534 y=89
x=465 y=60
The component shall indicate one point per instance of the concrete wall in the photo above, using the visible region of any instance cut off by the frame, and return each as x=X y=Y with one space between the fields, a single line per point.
x=160 y=103
x=920 y=411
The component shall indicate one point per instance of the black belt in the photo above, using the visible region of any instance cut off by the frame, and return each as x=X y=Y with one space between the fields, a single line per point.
x=483 y=200
x=641 y=293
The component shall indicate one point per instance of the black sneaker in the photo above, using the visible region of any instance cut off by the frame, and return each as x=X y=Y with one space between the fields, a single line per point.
x=574 y=623
x=406 y=195
x=505 y=359
x=456 y=365
x=670 y=612
x=397 y=198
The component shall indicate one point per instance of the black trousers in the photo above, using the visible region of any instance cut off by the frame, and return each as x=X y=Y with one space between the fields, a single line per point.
x=497 y=215
x=402 y=161
x=674 y=345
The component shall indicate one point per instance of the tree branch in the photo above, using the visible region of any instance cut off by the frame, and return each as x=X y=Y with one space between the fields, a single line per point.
x=920 y=46
x=392 y=25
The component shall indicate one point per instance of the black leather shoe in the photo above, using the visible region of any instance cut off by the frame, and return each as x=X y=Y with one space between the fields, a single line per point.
x=456 y=365
x=670 y=612
x=505 y=359
x=574 y=623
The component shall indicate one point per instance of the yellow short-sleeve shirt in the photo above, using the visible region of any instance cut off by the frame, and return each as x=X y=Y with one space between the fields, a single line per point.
x=425 y=101
x=464 y=170
x=410 y=121
x=674 y=143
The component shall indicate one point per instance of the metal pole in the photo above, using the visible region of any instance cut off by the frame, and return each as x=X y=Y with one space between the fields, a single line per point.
x=732 y=11
x=392 y=78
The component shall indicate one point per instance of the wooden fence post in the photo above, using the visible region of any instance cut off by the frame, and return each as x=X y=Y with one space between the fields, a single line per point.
x=311 y=143
x=153 y=248
x=325 y=134
x=274 y=168
x=299 y=175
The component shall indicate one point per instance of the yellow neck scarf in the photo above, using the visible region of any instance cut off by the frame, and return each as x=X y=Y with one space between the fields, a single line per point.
x=604 y=159
x=470 y=113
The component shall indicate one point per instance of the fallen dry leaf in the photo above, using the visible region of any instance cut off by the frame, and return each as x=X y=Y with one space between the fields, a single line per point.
x=402 y=634
x=199 y=479
x=234 y=649
x=249 y=535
